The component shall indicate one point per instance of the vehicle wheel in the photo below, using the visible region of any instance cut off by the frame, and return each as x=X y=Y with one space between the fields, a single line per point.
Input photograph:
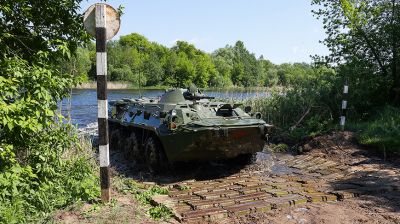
x=244 y=159
x=156 y=160
x=115 y=139
x=132 y=147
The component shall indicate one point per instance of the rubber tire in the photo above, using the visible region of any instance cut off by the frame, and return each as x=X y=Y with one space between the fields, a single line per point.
x=244 y=159
x=132 y=147
x=115 y=140
x=156 y=160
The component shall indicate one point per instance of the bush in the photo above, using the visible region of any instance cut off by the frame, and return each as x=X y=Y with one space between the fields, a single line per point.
x=308 y=107
x=51 y=173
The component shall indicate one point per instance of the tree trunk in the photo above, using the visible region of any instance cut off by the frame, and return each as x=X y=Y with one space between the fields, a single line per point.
x=395 y=90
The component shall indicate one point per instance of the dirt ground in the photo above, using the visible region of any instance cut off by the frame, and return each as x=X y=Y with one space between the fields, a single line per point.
x=380 y=203
x=377 y=207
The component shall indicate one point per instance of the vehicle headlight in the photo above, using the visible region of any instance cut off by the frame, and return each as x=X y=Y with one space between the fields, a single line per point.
x=173 y=113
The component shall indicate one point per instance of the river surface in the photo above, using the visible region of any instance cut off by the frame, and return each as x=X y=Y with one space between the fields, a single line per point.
x=81 y=108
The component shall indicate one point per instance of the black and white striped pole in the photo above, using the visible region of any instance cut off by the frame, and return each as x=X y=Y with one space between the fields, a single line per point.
x=344 y=105
x=102 y=21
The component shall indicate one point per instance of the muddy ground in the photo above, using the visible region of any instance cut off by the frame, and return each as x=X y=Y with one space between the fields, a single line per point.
x=364 y=188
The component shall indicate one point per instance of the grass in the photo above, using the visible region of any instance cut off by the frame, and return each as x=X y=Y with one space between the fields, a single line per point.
x=381 y=131
x=131 y=202
x=278 y=147
x=160 y=212
x=144 y=196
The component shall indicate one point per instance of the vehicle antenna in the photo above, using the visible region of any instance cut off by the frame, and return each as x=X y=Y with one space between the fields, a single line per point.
x=140 y=92
x=140 y=50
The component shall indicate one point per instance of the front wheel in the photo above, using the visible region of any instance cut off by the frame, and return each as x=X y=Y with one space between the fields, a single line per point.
x=156 y=160
x=115 y=139
x=244 y=159
x=132 y=147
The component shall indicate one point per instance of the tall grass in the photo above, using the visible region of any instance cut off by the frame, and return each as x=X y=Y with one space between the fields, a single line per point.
x=296 y=113
x=381 y=131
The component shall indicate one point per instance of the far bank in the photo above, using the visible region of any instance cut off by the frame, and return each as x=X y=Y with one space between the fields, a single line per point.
x=130 y=86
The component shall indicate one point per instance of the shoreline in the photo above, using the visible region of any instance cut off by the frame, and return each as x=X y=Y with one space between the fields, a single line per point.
x=129 y=86
x=116 y=86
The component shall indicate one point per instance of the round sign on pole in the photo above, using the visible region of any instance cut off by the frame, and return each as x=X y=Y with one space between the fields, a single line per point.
x=112 y=20
x=102 y=21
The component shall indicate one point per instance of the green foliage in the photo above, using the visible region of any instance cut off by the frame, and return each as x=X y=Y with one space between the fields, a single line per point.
x=43 y=180
x=308 y=106
x=78 y=65
x=133 y=57
x=278 y=147
x=364 y=35
x=144 y=197
x=28 y=97
x=42 y=167
x=182 y=187
x=381 y=131
x=160 y=212
x=29 y=27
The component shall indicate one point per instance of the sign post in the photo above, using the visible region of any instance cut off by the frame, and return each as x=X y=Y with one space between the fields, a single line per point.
x=344 y=105
x=102 y=21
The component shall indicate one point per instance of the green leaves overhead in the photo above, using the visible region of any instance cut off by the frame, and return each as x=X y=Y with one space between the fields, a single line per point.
x=364 y=34
x=29 y=27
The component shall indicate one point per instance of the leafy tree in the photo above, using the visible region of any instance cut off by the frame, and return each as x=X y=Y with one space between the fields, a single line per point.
x=367 y=33
x=247 y=72
x=238 y=73
x=30 y=27
x=184 y=70
x=159 y=65
x=79 y=64
x=202 y=63
x=36 y=37
x=222 y=78
x=33 y=42
x=153 y=70
x=188 y=49
x=170 y=67
x=136 y=41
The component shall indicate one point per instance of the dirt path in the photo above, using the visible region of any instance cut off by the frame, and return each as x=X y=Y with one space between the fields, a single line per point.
x=333 y=181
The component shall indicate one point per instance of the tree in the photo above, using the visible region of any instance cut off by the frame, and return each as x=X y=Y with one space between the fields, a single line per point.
x=153 y=70
x=136 y=41
x=79 y=64
x=32 y=44
x=222 y=77
x=246 y=71
x=36 y=38
x=29 y=27
x=184 y=70
x=365 y=32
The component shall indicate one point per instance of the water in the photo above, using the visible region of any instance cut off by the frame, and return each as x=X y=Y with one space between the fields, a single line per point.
x=82 y=106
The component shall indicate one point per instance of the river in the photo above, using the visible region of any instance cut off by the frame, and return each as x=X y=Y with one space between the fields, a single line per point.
x=81 y=107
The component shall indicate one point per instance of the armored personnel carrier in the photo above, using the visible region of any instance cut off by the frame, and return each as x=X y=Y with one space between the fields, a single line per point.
x=183 y=125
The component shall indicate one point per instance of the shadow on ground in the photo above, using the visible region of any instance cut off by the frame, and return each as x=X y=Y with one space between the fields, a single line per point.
x=379 y=189
x=177 y=172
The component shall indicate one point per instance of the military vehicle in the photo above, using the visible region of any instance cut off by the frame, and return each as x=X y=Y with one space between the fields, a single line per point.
x=184 y=125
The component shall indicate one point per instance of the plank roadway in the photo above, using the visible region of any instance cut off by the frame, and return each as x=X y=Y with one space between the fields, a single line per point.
x=318 y=181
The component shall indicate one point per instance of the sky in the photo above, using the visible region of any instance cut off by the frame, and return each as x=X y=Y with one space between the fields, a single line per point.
x=280 y=30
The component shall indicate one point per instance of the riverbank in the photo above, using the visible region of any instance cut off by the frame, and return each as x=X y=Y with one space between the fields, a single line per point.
x=129 y=86
x=117 y=86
